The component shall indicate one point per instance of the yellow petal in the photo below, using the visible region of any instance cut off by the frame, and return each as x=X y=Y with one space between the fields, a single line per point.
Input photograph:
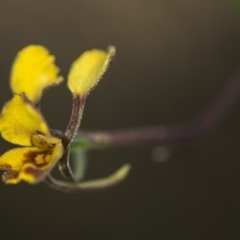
x=29 y=164
x=33 y=71
x=19 y=120
x=14 y=160
x=88 y=69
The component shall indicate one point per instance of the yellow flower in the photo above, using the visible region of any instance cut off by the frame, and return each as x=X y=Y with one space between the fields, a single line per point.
x=21 y=122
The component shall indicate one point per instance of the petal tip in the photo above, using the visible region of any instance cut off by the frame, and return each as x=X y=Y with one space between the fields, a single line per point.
x=88 y=69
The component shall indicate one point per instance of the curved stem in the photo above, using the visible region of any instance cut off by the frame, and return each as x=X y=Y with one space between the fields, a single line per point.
x=76 y=116
x=69 y=134
x=91 y=185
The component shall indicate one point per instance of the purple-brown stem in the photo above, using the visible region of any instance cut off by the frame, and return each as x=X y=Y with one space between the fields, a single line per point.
x=69 y=134
x=171 y=135
x=76 y=116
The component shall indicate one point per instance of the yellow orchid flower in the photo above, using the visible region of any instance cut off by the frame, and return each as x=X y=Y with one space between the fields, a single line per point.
x=21 y=121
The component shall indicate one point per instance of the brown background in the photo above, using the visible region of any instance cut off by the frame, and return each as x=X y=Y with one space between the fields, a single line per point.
x=173 y=58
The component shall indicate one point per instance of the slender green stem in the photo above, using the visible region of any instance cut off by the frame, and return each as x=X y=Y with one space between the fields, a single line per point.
x=91 y=185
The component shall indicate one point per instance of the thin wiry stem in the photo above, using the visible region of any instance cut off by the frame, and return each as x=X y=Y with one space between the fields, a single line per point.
x=171 y=135
x=76 y=116
x=70 y=132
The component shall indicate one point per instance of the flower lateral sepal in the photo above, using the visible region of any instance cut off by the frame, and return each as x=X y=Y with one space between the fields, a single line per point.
x=84 y=75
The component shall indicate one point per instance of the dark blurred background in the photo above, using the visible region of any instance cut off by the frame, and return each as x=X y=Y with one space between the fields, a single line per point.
x=173 y=58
